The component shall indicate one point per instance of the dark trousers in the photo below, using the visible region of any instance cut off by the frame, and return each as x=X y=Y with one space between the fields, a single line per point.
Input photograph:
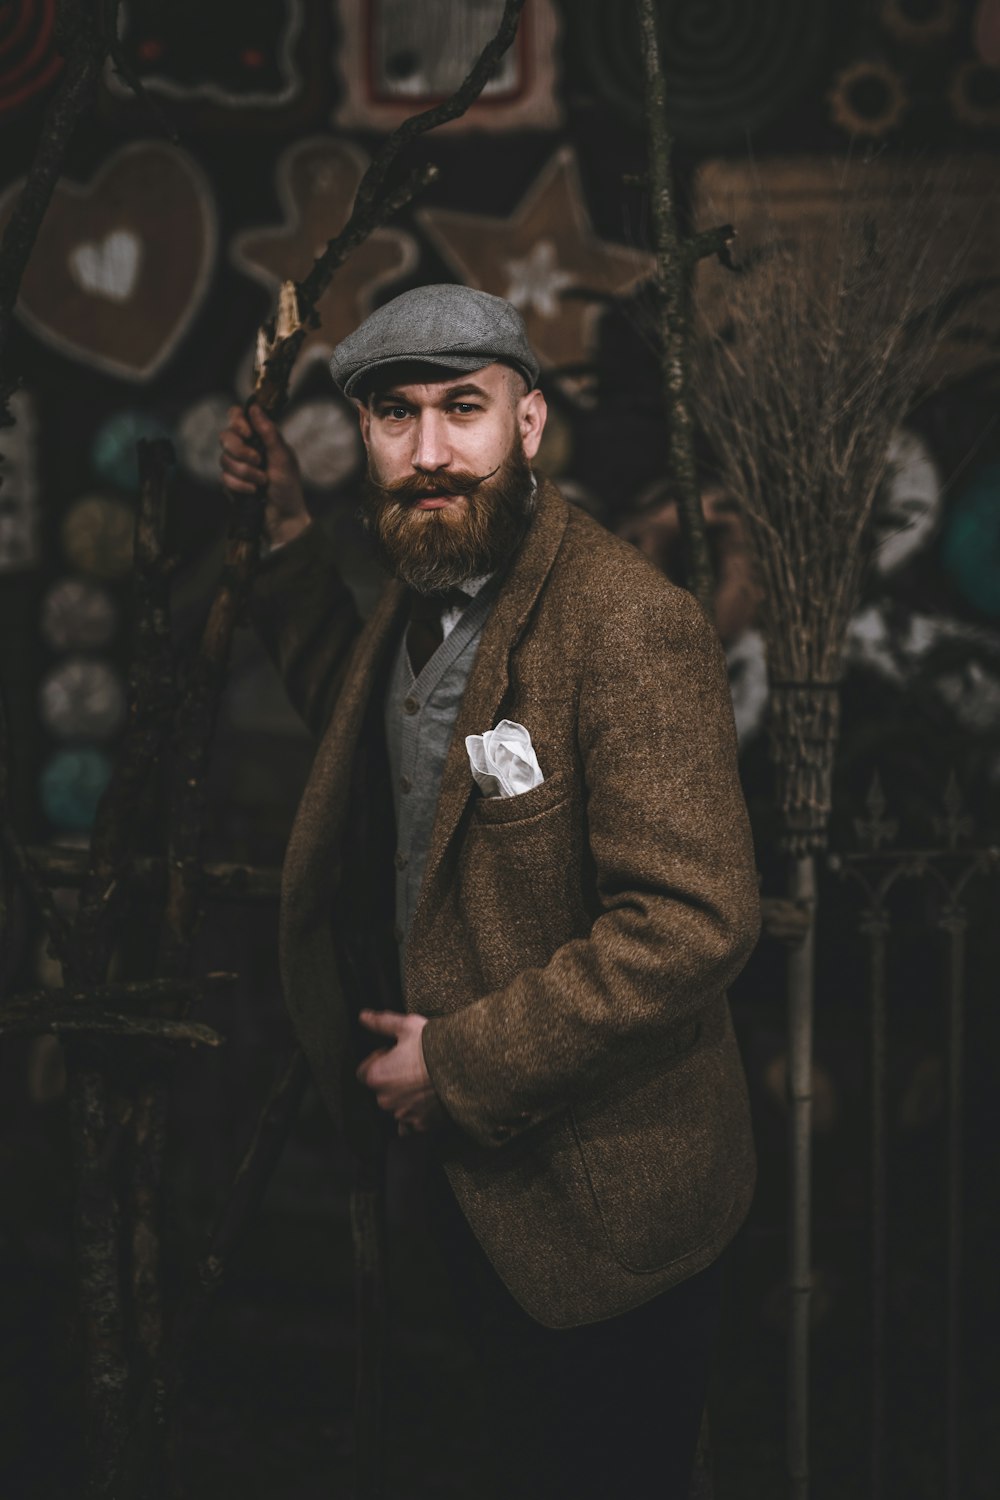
x=607 y=1411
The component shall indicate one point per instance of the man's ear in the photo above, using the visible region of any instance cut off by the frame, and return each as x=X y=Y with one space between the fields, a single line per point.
x=531 y=414
x=364 y=417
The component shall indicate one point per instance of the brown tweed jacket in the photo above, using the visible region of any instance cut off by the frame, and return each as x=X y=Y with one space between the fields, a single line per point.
x=571 y=945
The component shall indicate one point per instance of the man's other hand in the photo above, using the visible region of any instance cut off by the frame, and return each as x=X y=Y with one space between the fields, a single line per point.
x=243 y=472
x=397 y=1074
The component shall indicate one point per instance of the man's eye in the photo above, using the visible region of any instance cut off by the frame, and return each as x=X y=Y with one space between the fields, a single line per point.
x=397 y=413
x=464 y=407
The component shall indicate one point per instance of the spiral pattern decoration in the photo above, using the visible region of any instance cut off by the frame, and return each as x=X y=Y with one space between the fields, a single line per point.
x=919 y=21
x=28 y=59
x=731 y=66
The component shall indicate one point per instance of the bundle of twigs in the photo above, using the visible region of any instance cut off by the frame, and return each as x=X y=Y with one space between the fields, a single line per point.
x=822 y=348
x=814 y=356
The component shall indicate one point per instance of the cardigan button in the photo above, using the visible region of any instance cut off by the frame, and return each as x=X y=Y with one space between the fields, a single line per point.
x=502 y=1133
x=402 y=860
x=410 y=705
x=405 y=784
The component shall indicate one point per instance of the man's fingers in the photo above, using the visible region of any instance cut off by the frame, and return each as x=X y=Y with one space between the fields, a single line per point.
x=245 y=472
x=236 y=419
x=265 y=428
x=366 y=1064
x=384 y=1022
x=234 y=447
x=238 y=486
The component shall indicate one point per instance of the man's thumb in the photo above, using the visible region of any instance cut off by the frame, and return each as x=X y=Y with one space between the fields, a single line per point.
x=383 y=1022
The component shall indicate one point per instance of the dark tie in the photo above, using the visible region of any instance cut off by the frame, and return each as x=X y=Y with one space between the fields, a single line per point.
x=424 y=633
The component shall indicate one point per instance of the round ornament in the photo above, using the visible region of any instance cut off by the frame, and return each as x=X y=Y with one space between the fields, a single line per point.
x=909 y=510
x=82 y=699
x=325 y=439
x=974 y=93
x=71 y=786
x=198 y=436
x=77 y=615
x=868 y=99
x=113 y=454
x=97 y=536
x=30 y=57
x=919 y=21
x=972 y=541
x=730 y=67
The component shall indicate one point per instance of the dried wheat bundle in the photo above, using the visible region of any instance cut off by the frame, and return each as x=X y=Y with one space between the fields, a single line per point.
x=816 y=352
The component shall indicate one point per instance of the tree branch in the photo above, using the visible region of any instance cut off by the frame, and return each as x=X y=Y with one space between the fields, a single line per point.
x=673 y=274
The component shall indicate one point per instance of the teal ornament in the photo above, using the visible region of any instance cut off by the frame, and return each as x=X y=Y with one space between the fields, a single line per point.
x=113 y=454
x=71 y=785
x=972 y=541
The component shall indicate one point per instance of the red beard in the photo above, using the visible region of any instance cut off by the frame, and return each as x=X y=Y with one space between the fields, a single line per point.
x=438 y=549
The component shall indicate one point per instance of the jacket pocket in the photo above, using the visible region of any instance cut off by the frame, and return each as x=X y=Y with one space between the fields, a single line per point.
x=547 y=794
x=664 y=1155
x=519 y=878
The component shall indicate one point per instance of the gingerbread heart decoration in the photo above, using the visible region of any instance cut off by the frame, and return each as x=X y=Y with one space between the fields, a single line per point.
x=121 y=265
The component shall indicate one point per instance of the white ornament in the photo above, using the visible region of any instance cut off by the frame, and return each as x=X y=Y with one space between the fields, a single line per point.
x=536 y=280
x=108 y=267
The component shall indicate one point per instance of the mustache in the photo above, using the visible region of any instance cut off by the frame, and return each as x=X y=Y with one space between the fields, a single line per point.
x=419 y=486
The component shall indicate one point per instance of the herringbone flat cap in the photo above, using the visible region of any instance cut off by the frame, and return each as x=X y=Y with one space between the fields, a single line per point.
x=454 y=327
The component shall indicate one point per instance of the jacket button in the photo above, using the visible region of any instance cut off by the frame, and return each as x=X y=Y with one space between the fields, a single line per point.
x=405 y=784
x=402 y=860
x=410 y=705
x=502 y=1133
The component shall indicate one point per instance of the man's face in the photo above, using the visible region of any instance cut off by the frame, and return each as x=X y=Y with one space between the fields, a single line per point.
x=449 y=481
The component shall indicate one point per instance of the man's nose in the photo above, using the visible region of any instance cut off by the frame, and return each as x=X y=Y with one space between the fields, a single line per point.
x=431 y=448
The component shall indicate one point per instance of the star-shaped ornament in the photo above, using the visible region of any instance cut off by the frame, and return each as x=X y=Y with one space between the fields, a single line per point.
x=317 y=180
x=546 y=249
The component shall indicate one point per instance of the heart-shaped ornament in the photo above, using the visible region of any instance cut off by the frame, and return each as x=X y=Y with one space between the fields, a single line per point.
x=121 y=264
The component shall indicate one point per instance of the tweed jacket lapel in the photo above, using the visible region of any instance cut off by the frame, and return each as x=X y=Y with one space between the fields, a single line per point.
x=488 y=680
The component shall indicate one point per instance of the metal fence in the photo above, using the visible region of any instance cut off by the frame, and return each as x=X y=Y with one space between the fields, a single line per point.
x=948 y=875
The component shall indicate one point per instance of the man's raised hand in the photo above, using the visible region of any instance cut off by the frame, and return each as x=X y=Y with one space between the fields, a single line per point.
x=243 y=472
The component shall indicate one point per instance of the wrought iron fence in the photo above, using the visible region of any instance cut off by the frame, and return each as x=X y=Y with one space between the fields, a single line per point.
x=949 y=870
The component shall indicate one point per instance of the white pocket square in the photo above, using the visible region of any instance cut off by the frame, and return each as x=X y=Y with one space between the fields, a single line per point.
x=503 y=760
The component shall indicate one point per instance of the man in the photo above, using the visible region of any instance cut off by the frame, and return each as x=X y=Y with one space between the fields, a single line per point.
x=549 y=967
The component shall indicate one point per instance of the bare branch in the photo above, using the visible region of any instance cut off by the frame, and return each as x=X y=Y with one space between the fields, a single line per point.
x=674 y=260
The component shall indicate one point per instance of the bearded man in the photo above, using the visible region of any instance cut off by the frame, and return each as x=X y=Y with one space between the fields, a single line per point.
x=541 y=938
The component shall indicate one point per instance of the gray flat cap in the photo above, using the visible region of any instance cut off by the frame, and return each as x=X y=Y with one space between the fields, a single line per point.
x=454 y=327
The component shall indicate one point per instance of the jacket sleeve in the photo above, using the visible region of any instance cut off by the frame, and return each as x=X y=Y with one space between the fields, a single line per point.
x=676 y=879
x=307 y=619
